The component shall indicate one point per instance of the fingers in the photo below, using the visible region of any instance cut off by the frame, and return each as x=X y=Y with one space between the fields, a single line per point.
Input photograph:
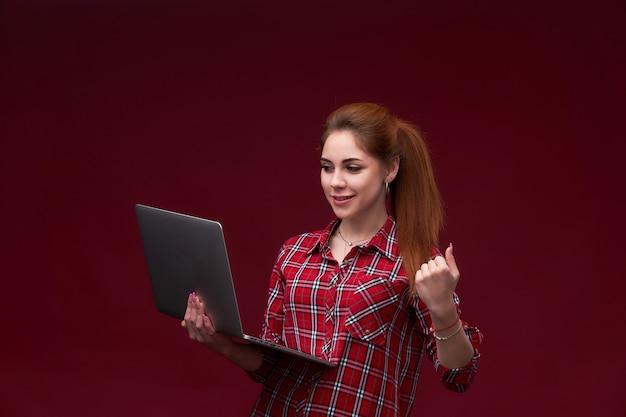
x=198 y=324
x=192 y=317
x=439 y=268
x=187 y=316
x=199 y=321
x=452 y=262
x=434 y=266
x=441 y=264
x=192 y=309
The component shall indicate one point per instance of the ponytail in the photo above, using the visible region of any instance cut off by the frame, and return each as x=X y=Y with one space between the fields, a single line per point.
x=415 y=202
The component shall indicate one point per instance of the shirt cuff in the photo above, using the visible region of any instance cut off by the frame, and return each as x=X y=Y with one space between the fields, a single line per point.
x=270 y=358
x=459 y=379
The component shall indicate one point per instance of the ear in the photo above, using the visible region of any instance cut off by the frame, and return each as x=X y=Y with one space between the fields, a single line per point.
x=392 y=169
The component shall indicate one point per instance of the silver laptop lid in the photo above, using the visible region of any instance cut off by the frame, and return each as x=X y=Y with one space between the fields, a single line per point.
x=186 y=254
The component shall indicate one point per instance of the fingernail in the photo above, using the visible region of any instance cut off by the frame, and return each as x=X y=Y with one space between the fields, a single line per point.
x=450 y=244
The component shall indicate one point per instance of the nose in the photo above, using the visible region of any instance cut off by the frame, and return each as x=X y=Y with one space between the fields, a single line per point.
x=337 y=180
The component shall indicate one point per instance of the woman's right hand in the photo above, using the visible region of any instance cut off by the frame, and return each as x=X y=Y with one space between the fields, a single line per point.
x=200 y=327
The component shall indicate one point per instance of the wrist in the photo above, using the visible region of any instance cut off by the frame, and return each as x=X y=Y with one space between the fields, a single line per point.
x=448 y=333
x=443 y=316
x=226 y=348
x=444 y=329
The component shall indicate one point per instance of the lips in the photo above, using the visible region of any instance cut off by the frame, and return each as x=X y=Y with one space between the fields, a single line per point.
x=340 y=199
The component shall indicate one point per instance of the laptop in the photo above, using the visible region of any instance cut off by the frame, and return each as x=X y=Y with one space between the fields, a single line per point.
x=186 y=254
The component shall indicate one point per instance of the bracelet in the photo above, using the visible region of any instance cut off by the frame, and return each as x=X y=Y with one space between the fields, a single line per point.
x=458 y=329
x=432 y=329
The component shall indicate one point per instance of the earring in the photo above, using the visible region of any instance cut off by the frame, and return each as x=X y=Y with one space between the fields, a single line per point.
x=387 y=188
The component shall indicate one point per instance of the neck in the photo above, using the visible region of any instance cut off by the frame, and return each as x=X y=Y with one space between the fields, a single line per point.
x=358 y=231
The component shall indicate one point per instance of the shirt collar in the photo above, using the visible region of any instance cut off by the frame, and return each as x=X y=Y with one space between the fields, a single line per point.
x=384 y=241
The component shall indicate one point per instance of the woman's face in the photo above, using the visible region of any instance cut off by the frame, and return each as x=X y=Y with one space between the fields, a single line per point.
x=353 y=181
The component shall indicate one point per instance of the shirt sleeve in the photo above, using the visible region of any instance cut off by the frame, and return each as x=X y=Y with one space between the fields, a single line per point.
x=270 y=358
x=272 y=329
x=273 y=321
x=457 y=379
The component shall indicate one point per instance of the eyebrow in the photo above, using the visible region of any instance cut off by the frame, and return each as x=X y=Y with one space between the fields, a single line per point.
x=345 y=161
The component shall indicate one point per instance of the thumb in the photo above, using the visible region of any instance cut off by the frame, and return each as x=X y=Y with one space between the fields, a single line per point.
x=452 y=262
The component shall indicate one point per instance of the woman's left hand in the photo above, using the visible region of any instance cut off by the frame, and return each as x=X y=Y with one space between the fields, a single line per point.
x=200 y=327
x=436 y=281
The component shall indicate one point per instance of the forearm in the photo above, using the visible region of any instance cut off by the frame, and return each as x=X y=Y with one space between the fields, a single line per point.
x=454 y=349
x=246 y=356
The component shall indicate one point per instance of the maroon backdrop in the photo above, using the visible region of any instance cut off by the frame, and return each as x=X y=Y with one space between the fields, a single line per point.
x=215 y=110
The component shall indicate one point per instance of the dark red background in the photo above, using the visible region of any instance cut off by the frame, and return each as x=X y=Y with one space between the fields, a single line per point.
x=214 y=109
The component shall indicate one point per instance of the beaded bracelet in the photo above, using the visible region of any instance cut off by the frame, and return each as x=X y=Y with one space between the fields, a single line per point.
x=458 y=329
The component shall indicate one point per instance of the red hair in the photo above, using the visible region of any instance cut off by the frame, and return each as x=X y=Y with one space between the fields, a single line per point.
x=415 y=199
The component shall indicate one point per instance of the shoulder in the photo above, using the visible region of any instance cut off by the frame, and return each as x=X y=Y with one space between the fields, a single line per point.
x=310 y=241
x=304 y=241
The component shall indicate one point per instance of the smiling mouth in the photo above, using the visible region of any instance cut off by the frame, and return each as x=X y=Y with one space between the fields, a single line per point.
x=342 y=198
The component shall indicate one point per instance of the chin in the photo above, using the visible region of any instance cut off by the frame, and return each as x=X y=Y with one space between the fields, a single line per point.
x=340 y=214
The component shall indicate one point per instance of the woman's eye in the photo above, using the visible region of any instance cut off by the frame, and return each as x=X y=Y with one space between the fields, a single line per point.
x=326 y=168
x=352 y=168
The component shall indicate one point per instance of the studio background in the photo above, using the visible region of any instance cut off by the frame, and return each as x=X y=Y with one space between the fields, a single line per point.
x=215 y=109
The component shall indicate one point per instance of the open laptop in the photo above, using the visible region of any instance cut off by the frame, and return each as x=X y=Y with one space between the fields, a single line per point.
x=186 y=254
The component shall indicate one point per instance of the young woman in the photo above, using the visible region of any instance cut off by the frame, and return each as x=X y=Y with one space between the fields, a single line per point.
x=370 y=292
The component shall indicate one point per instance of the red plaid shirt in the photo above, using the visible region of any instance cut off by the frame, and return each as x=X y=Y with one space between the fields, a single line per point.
x=356 y=314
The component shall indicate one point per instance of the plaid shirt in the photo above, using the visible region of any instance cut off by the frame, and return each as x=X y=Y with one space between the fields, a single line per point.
x=356 y=314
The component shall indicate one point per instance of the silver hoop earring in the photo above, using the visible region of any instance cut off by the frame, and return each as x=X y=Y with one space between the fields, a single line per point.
x=387 y=188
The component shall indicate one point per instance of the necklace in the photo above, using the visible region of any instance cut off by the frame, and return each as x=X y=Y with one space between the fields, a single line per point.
x=350 y=243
